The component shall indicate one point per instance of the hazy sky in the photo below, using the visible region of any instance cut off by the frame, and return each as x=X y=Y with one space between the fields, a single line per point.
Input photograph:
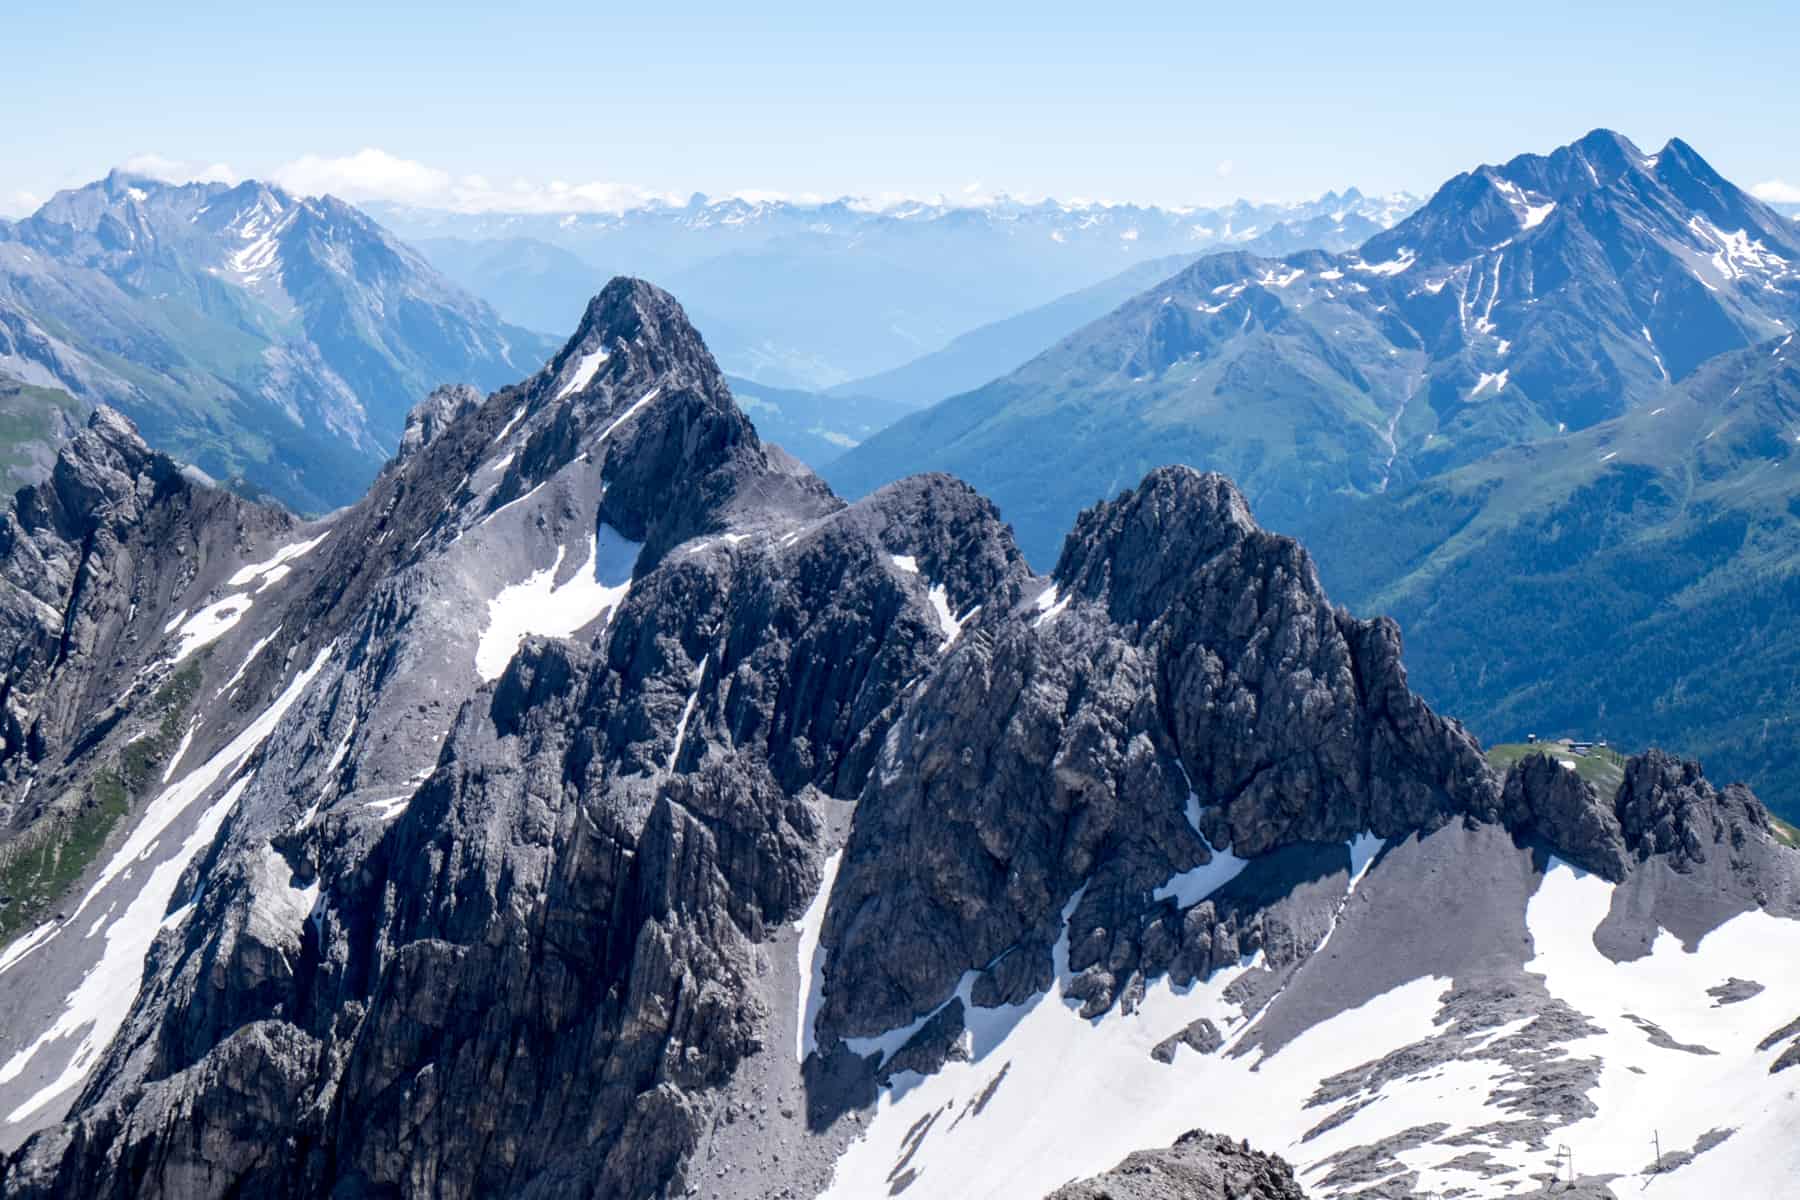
x=1168 y=102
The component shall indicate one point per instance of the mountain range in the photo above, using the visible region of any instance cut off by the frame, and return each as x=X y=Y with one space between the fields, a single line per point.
x=602 y=807
x=256 y=335
x=1521 y=301
x=819 y=295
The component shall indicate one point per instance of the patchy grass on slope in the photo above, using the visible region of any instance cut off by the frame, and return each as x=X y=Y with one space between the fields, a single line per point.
x=47 y=864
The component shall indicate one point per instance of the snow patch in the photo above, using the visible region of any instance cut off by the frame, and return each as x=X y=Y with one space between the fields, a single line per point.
x=687 y=710
x=210 y=624
x=1188 y=888
x=812 y=960
x=511 y=422
x=245 y=665
x=1049 y=605
x=286 y=554
x=1047 y=1096
x=1394 y=266
x=1680 y=1094
x=625 y=416
x=948 y=624
x=181 y=749
x=97 y=1007
x=1496 y=381
x=539 y=606
x=391 y=807
x=585 y=368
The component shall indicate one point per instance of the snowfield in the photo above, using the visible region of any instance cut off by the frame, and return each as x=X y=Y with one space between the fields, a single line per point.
x=538 y=605
x=1048 y=1097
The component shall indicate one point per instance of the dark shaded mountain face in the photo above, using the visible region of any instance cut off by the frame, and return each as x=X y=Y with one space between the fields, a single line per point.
x=811 y=296
x=1635 y=580
x=254 y=334
x=601 y=807
x=1547 y=294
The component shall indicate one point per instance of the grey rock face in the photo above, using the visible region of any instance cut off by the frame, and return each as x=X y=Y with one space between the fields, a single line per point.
x=1200 y=1036
x=1199 y=1166
x=531 y=979
x=91 y=557
x=1667 y=807
x=434 y=414
x=1557 y=804
x=1055 y=750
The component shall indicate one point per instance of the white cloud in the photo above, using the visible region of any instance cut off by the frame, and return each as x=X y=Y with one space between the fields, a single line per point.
x=369 y=174
x=375 y=174
x=20 y=203
x=1225 y=168
x=174 y=170
x=1777 y=191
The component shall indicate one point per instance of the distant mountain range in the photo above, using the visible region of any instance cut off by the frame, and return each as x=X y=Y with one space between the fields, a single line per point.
x=1544 y=295
x=819 y=295
x=257 y=335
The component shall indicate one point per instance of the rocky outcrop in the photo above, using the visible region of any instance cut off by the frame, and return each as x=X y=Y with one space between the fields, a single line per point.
x=1664 y=809
x=1199 y=1166
x=1553 y=802
x=88 y=560
x=434 y=414
x=1201 y=1036
x=1667 y=807
x=1183 y=687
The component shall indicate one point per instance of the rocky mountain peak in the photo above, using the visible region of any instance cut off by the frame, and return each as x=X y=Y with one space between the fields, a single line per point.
x=1610 y=154
x=253 y=318
x=635 y=325
x=637 y=389
x=1136 y=551
x=432 y=415
x=99 y=475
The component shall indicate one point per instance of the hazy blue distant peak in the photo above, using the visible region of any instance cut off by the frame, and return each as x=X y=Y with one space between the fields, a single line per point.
x=1207 y=223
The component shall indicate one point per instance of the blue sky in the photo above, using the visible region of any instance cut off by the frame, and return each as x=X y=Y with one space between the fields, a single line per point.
x=1151 y=101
